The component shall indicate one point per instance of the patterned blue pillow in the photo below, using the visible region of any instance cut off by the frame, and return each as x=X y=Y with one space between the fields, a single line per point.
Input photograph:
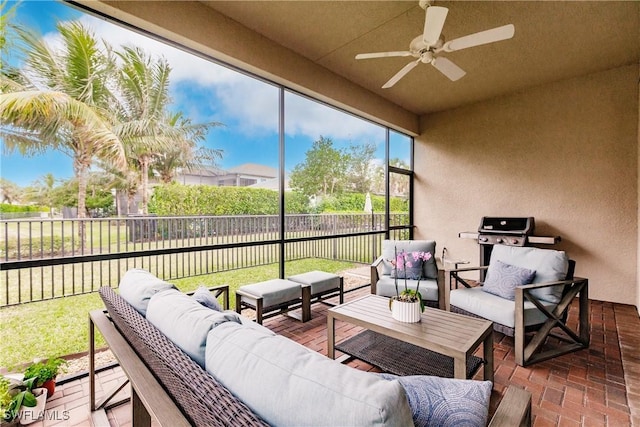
x=204 y=297
x=502 y=279
x=443 y=402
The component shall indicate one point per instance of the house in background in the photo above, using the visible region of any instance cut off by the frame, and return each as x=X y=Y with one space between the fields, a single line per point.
x=245 y=175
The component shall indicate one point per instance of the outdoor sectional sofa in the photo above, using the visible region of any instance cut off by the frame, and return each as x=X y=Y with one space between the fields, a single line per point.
x=189 y=364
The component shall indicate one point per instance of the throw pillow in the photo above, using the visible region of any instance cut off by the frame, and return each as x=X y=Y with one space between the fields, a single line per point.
x=502 y=279
x=137 y=286
x=186 y=322
x=443 y=402
x=411 y=268
x=204 y=297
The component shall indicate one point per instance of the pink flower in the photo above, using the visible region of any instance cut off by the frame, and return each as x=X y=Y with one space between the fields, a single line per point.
x=403 y=260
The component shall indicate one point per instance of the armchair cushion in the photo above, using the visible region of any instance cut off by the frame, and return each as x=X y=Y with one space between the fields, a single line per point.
x=428 y=287
x=503 y=278
x=389 y=247
x=436 y=401
x=549 y=265
x=495 y=308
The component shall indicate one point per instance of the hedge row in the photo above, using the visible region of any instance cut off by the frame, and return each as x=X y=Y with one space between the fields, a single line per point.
x=178 y=199
x=6 y=208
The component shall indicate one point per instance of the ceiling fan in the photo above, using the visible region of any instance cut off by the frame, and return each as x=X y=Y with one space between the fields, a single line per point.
x=427 y=46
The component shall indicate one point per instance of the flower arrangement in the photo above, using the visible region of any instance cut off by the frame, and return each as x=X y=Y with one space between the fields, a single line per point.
x=405 y=261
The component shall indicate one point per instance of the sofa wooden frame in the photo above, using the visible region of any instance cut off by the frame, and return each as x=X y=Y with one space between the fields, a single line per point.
x=527 y=352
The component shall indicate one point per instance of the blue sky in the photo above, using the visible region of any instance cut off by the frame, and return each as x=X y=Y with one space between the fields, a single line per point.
x=205 y=92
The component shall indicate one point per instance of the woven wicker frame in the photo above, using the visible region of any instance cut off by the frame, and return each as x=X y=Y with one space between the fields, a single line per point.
x=402 y=358
x=203 y=400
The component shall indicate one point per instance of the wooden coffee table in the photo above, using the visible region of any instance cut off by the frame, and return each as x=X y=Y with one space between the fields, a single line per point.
x=441 y=344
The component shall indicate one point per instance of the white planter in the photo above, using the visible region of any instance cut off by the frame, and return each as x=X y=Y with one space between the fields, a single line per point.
x=29 y=415
x=408 y=312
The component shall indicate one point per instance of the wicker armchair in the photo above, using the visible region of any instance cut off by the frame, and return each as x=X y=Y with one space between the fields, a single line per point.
x=539 y=310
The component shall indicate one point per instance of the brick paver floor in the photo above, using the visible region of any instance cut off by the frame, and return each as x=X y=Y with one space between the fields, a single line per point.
x=595 y=387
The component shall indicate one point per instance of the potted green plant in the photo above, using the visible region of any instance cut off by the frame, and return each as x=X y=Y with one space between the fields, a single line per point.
x=45 y=373
x=20 y=401
x=8 y=417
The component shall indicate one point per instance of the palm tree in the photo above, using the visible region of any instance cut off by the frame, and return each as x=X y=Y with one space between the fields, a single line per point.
x=151 y=134
x=183 y=154
x=42 y=191
x=9 y=191
x=63 y=104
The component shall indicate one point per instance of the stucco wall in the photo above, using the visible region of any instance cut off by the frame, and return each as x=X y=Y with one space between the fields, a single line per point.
x=564 y=153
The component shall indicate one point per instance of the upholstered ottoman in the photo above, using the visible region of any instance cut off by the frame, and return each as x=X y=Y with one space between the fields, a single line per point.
x=322 y=284
x=274 y=297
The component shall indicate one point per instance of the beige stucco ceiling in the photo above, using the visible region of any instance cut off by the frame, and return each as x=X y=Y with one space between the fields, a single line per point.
x=553 y=41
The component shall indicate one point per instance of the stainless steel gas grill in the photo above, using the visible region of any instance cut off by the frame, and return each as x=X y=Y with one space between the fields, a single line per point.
x=510 y=231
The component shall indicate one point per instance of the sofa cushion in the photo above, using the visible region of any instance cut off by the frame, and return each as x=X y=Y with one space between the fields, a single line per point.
x=495 y=308
x=204 y=297
x=185 y=321
x=387 y=288
x=251 y=323
x=137 y=286
x=502 y=279
x=550 y=266
x=390 y=247
x=443 y=402
x=288 y=384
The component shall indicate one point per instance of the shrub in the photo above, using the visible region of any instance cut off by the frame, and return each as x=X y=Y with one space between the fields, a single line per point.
x=7 y=208
x=51 y=246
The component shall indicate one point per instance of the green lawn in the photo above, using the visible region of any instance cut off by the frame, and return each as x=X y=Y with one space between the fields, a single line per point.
x=60 y=327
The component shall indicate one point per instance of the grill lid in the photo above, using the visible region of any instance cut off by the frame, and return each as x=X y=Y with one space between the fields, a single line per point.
x=501 y=225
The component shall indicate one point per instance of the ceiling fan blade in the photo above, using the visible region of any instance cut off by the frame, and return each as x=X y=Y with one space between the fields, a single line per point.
x=433 y=23
x=382 y=54
x=448 y=68
x=400 y=74
x=483 y=37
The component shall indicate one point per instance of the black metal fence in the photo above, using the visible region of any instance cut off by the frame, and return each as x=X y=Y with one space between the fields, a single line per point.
x=45 y=258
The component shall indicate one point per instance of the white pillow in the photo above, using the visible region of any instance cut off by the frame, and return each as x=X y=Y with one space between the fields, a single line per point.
x=137 y=286
x=185 y=321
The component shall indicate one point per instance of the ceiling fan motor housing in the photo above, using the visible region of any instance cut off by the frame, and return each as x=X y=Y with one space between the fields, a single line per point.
x=425 y=3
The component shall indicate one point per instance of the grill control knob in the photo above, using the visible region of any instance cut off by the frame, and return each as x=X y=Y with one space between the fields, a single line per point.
x=499 y=240
x=514 y=241
x=483 y=239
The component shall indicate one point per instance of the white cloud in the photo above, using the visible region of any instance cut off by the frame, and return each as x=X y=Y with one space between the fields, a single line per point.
x=245 y=100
